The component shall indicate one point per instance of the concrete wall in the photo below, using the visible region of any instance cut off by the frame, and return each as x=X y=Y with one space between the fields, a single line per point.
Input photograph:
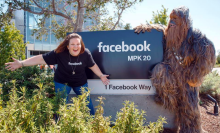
x=113 y=104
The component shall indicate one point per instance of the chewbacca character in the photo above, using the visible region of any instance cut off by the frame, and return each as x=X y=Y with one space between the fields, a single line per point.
x=188 y=57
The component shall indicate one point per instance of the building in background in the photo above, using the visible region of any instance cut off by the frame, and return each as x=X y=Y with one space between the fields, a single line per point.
x=26 y=22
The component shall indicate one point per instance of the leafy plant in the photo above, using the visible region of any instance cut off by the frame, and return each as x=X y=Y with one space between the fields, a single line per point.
x=23 y=113
x=131 y=120
x=211 y=85
x=100 y=124
x=27 y=77
x=75 y=117
x=11 y=43
x=160 y=17
x=1 y=96
x=155 y=127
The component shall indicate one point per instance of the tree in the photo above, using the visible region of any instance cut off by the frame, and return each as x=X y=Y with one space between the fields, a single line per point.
x=5 y=16
x=127 y=26
x=11 y=43
x=72 y=14
x=160 y=17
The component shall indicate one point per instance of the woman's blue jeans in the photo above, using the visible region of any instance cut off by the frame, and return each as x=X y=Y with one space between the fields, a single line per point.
x=66 y=90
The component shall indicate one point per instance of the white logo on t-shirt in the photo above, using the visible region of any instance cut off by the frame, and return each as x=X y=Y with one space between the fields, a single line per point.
x=80 y=63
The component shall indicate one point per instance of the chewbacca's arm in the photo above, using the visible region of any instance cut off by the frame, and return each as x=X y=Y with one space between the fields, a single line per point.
x=148 y=27
x=204 y=59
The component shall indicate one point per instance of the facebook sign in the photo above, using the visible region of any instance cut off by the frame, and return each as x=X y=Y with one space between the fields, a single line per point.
x=126 y=56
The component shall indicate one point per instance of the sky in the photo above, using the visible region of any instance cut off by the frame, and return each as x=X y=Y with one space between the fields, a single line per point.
x=204 y=13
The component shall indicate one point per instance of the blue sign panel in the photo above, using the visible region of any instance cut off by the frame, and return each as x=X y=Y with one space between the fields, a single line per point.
x=124 y=54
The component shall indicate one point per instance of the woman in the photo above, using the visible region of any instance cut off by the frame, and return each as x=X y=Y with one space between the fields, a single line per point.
x=72 y=58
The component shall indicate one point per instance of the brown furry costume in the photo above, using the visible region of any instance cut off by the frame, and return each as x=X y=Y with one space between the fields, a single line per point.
x=188 y=57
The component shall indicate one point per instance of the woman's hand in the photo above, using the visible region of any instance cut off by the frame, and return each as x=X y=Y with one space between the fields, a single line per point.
x=104 y=79
x=102 y=76
x=13 y=65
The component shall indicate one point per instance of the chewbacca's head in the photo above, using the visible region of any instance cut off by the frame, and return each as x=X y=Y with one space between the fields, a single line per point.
x=178 y=26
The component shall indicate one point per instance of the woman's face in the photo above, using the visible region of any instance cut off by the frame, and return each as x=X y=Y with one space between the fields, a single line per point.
x=74 y=46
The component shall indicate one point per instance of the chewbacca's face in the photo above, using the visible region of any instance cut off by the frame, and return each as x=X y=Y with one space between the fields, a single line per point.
x=174 y=20
x=175 y=32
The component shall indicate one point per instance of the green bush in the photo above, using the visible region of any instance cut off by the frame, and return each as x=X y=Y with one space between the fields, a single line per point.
x=27 y=77
x=211 y=85
x=35 y=114
x=22 y=114
x=100 y=124
x=131 y=120
x=1 y=101
x=11 y=43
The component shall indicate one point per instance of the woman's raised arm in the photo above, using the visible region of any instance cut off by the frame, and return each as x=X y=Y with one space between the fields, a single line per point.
x=28 y=62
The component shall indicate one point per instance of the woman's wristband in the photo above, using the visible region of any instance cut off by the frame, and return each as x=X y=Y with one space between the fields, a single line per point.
x=22 y=64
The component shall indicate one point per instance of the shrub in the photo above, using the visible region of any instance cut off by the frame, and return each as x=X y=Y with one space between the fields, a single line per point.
x=11 y=43
x=1 y=96
x=131 y=120
x=100 y=124
x=211 y=85
x=75 y=117
x=22 y=114
x=27 y=77
x=35 y=114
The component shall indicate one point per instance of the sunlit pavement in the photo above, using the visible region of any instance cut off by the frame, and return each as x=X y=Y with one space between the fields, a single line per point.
x=218 y=69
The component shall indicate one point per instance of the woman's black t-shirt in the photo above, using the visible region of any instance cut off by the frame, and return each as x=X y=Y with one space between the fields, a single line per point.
x=64 y=71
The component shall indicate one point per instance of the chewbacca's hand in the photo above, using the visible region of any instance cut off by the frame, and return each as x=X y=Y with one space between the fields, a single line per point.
x=143 y=28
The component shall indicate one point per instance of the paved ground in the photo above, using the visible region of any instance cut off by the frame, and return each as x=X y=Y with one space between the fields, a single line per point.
x=218 y=69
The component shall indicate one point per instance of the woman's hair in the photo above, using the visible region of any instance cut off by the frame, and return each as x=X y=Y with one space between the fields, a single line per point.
x=63 y=45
